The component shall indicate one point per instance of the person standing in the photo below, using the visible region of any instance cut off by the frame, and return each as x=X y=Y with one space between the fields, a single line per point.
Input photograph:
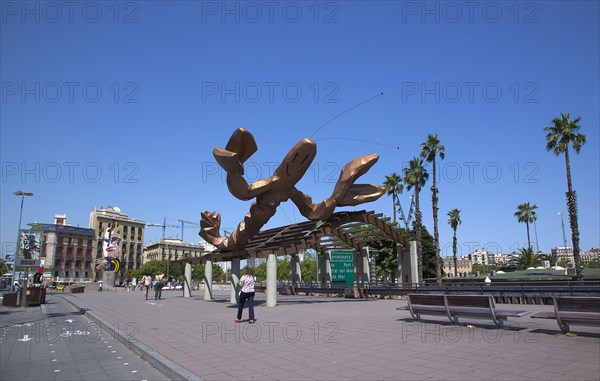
x=147 y=282
x=247 y=294
x=159 y=285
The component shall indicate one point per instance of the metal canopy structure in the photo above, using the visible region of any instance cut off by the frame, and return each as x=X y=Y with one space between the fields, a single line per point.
x=343 y=230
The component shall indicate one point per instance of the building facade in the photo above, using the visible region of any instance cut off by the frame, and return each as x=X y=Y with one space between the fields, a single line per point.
x=174 y=249
x=482 y=257
x=67 y=250
x=464 y=266
x=564 y=254
x=132 y=236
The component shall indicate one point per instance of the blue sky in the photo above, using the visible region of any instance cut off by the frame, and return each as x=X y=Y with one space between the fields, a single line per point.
x=121 y=104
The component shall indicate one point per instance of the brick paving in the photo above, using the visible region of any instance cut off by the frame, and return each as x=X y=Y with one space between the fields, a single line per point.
x=318 y=338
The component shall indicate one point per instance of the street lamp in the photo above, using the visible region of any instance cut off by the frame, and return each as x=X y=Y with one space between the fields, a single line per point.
x=562 y=223
x=22 y=194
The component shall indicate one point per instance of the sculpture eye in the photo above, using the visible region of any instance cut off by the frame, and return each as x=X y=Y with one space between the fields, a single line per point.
x=303 y=160
x=295 y=156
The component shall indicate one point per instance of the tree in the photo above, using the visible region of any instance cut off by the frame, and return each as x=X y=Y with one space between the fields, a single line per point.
x=528 y=259
x=430 y=260
x=387 y=257
x=393 y=187
x=454 y=221
x=260 y=272
x=308 y=267
x=429 y=151
x=386 y=263
x=154 y=267
x=526 y=213
x=552 y=258
x=415 y=176
x=283 y=269
x=3 y=267
x=482 y=269
x=198 y=272
x=559 y=137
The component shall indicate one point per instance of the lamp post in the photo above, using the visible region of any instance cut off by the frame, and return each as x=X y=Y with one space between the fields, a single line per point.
x=562 y=223
x=22 y=194
x=168 y=261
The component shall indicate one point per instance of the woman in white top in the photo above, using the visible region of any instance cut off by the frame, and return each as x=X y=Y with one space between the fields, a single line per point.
x=247 y=293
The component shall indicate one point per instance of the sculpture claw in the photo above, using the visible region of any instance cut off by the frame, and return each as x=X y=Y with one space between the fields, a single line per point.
x=350 y=173
x=361 y=193
x=209 y=227
x=242 y=143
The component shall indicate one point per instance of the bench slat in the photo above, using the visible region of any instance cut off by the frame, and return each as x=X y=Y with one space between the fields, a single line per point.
x=482 y=301
x=578 y=303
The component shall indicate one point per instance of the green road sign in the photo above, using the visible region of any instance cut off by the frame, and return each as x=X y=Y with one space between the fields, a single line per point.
x=342 y=267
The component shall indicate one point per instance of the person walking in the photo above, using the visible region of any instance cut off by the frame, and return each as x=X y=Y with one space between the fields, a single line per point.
x=247 y=293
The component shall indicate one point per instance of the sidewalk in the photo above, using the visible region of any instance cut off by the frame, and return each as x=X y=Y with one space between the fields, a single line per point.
x=314 y=338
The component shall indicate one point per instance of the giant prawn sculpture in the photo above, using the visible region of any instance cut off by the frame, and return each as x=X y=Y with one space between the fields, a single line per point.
x=280 y=187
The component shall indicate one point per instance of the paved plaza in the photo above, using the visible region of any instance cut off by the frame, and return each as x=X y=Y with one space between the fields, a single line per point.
x=318 y=338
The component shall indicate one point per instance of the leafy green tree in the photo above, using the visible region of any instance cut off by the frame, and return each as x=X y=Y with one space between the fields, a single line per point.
x=260 y=272
x=154 y=267
x=526 y=213
x=218 y=275
x=386 y=264
x=387 y=257
x=3 y=267
x=593 y=265
x=454 y=221
x=559 y=137
x=283 y=269
x=198 y=272
x=429 y=151
x=393 y=187
x=482 y=269
x=415 y=176
x=429 y=257
x=308 y=267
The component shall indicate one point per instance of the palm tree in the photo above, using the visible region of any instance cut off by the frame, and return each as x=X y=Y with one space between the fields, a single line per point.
x=528 y=259
x=415 y=176
x=429 y=151
x=454 y=221
x=561 y=134
x=552 y=258
x=526 y=213
x=393 y=187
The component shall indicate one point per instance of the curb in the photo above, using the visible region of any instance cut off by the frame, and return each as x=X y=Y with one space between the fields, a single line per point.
x=166 y=366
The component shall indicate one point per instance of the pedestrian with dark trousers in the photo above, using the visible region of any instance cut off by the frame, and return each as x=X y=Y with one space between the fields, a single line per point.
x=246 y=294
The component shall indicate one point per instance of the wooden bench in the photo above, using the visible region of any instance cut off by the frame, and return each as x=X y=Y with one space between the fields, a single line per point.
x=455 y=306
x=576 y=310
